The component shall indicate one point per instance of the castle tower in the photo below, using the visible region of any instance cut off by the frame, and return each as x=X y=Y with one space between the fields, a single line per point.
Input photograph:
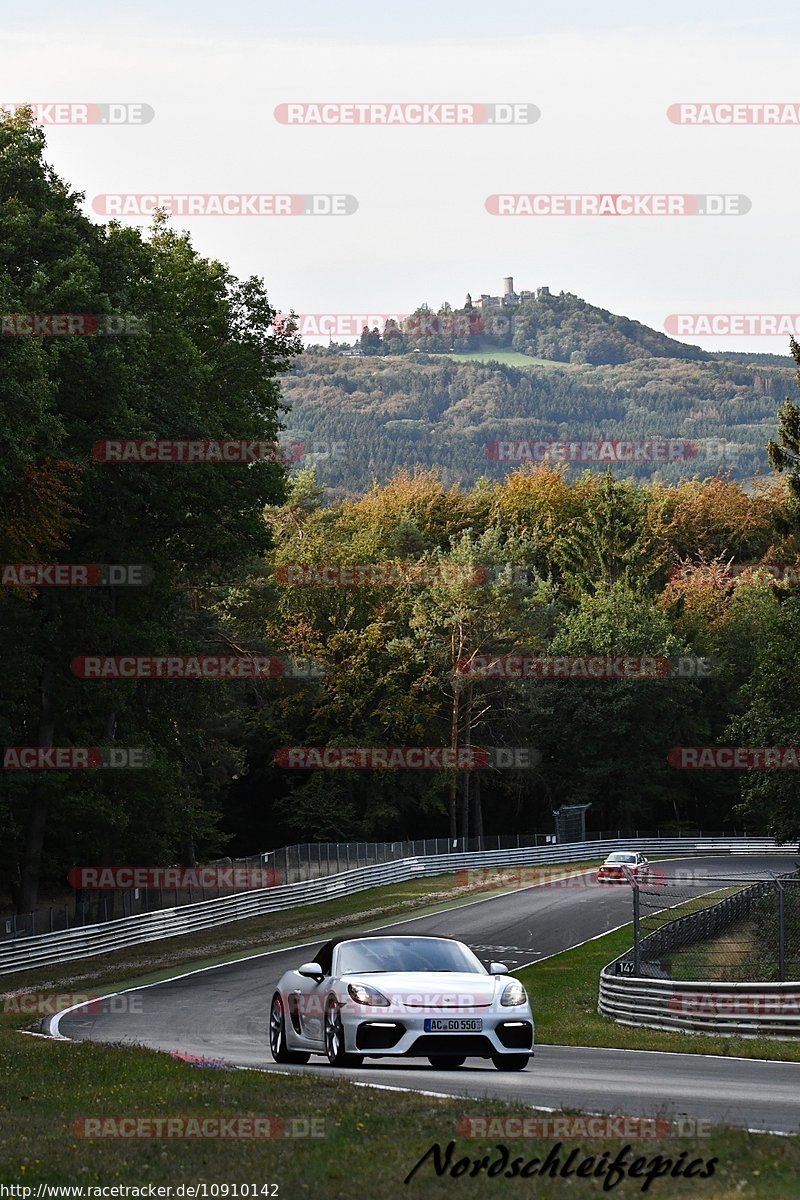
x=508 y=285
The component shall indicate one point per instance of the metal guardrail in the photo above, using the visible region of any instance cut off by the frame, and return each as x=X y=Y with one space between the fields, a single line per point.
x=90 y=940
x=291 y=864
x=743 y=1009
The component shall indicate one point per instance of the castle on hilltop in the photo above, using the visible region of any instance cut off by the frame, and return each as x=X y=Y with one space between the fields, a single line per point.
x=509 y=298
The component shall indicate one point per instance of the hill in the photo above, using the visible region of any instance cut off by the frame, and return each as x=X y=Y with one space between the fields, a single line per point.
x=371 y=416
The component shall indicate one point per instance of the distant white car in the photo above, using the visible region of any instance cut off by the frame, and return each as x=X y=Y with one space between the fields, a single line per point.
x=393 y=997
x=613 y=869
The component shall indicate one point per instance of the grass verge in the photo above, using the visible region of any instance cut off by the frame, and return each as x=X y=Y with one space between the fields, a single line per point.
x=371 y=1139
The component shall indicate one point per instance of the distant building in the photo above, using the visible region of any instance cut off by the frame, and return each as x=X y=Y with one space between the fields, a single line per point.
x=509 y=298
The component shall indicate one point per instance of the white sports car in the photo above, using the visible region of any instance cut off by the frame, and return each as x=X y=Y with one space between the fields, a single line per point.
x=418 y=997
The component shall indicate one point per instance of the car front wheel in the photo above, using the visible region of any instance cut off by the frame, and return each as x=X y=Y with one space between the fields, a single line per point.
x=277 y=1036
x=510 y=1062
x=334 y=1040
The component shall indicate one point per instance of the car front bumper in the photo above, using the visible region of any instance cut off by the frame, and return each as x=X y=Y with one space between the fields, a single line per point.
x=404 y=1034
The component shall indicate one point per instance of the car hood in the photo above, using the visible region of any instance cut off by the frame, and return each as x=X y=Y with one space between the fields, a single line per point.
x=434 y=991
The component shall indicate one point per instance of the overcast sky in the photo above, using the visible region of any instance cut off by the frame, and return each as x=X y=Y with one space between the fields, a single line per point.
x=602 y=74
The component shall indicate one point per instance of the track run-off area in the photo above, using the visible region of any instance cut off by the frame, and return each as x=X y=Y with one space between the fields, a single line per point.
x=222 y=1012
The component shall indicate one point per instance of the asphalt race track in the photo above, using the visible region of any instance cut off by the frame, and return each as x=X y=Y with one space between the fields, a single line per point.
x=222 y=1012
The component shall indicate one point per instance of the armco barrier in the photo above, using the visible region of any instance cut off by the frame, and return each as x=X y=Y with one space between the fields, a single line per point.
x=90 y=940
x=742 y=1009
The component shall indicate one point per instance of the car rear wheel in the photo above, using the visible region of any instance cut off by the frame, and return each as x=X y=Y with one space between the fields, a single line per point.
x=510 y=1062
x=334 y=1040
x=446 y=1062
x=277 y=1036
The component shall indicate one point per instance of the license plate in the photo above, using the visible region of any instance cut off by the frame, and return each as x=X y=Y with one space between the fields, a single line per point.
x=453 y=1024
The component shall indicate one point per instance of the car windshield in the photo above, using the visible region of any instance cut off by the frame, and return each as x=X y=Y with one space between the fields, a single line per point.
x=405 y=954
x=621 y=858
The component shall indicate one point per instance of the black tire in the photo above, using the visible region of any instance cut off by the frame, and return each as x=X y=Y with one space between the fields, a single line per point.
x=277 y=1035
x=334 y=1039
x=445 y=1062
x=510 y=1062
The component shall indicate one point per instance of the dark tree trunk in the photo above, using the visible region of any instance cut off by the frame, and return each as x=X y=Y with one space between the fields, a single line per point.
x=465 y=805
x=187 y=852
x=37 y=815
x=454 y=772
x=477 y=807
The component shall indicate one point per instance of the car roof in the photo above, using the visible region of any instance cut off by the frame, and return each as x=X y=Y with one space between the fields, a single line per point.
x=395 y=937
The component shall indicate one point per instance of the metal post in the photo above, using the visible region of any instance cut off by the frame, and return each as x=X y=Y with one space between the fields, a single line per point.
x=637 y=957
x=781 y=934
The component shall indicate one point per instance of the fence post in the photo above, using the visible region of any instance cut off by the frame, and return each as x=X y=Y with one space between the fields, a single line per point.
x=781 y=934
x=637 y=957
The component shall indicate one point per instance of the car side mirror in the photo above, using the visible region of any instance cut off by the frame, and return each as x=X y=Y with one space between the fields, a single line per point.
x=498 y=969
x=311 y=970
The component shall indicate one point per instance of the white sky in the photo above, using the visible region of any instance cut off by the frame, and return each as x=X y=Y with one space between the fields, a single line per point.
x=215 y=73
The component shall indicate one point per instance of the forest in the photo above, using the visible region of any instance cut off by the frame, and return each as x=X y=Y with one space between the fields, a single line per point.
x=379 y=579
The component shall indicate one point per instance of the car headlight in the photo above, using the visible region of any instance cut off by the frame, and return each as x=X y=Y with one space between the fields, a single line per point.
x=513 y=994
x=367 y=995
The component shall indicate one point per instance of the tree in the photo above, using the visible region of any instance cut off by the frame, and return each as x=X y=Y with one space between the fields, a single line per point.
x=204 y=364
